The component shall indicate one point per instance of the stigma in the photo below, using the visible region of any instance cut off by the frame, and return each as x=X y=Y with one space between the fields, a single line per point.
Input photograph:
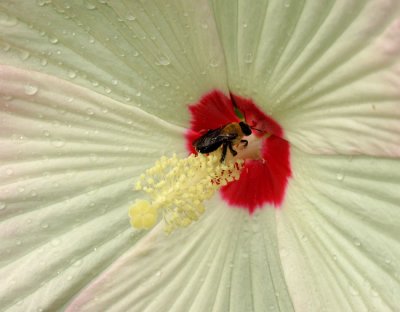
x=177 y=188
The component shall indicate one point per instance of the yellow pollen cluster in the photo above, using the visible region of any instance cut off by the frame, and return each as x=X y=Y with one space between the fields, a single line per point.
x=178 y=187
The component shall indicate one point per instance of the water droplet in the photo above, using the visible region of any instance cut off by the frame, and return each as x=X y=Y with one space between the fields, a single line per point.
x=58 y=143
x=356 y=242
x=55 y=242
x=46 y=133
x=7 y=20
x=130 y=17
x=43 y=62
x=3 y=205
x=9 y=171
x=44 y=226
x=30 y=89
x=69 y=277
x=72 y=74
x=43 y=2
x=204 y=25
x=163 y=60
x=77 y=263
x=287 y=4
x=214 y=63
x=53 y=40
x=340 y=176
x=24 y=55
x=19 y=243
x=6 y=46
x=114 y=82
x=89 y=111
x=374 y=293
x=90 y=6
x=249 y=58
x=353 y=291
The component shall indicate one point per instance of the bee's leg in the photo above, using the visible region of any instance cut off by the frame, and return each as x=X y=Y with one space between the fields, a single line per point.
x=234 y=153
x=245 y=142
x=224 y=148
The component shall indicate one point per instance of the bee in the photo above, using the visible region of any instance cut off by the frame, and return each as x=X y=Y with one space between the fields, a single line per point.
x=226 y=136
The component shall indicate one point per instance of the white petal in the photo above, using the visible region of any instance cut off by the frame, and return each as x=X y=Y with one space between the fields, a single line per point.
x=327 y=71
x=69 y=160
x=154 y=54
x=228 y=261
x=339 y=233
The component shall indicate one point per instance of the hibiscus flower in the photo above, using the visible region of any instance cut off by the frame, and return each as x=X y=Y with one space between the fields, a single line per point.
x=94 y=93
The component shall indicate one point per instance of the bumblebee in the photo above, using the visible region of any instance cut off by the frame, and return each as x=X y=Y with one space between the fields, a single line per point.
x=226 y=136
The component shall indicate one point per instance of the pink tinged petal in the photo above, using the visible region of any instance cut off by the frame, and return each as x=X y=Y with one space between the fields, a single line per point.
x=326 y=71
x=68 y=161
x=226 y=262
x=339 y=232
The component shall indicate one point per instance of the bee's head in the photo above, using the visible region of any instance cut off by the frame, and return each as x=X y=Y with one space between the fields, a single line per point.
x=245 y=128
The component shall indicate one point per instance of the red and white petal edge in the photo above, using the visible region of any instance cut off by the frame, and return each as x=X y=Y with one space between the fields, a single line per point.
x=327 y=71
x=338 y=233
x=228 y=261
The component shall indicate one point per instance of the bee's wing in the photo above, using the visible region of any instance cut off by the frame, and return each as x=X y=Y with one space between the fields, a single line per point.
x=212 y=140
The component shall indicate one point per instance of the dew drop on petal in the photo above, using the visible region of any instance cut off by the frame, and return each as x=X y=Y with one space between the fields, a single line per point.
x=356 y=242
x=55 y=242
x=46 y=133
x=53 y=40
x=2 y=205
x=249 y=58
x=89 y=111
x=163 y=60
x=24 y=55
x=130 y=17
x=72 y=74
x=353 y=291
x=9 y=171
x=340 y=176
x=78 y=263
x=30 y=89
x=7 y=20
x=90 y=6
x=58 y=143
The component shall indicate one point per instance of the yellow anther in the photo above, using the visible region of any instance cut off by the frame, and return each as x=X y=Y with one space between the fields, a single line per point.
x=143 y=215
x=178 y=187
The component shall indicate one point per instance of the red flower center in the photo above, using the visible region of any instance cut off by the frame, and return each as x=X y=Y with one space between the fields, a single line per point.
x=263 y=180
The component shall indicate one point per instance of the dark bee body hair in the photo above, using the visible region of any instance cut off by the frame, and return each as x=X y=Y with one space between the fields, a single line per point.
x=225 y=136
